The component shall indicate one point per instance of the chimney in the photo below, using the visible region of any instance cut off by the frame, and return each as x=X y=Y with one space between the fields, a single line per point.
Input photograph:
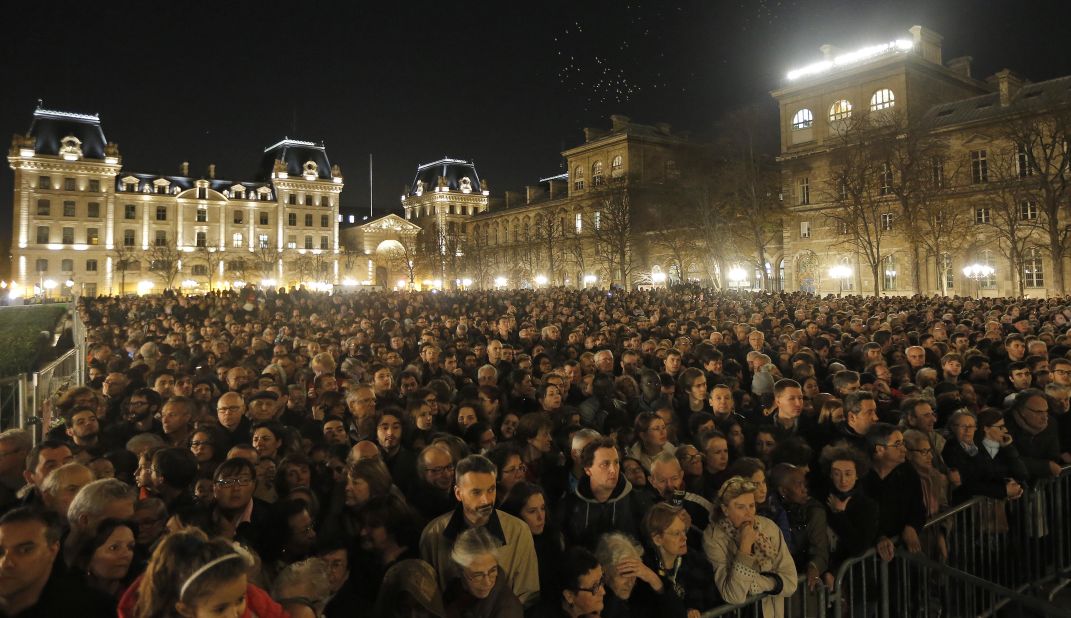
x=591 y=134
x=534 y=193
x=927 y=43
x=619 y=122
x=961 y=66
x=212 y=171
x=1007 y=84
x=185 y=168
x=512 y=198
x=664 y=127
x=558 y=188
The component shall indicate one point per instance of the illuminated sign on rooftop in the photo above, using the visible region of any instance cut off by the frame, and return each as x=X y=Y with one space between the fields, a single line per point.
x=850 y=58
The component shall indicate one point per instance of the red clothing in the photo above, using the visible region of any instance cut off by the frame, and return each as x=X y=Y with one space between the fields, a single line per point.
x=258 y=604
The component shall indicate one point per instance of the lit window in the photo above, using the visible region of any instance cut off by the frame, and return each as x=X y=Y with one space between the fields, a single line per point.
x=805 y=229
x=262 y=241
x=803 y=119
x=596 y=174
x=987 y=258
x=579 y=223
x=882 y=99
x=889 y=266
x=93 y=236
x=578 y=178
x=841 y=110
x=886 y=221
x=1033 y=269
x=886 y=177
x=1024 y=161
x=237 y=240
x=617 y=166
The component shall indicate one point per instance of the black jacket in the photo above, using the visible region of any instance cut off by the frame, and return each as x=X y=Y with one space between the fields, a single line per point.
x=982 y=475
x=583 y=519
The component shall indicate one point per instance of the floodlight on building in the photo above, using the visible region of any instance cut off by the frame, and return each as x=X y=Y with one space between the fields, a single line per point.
x=145 y=286
x=590 y=279
x=541 y=279
x=737 y=274
x=501 y=282
x=658 y=277
x=466 y=282
x=238 y=284
x=50 y=284
x=267 y=283
x=69 y=283
x=402 y=283
x=349 y=282
x=437 y=284
x=853 y=57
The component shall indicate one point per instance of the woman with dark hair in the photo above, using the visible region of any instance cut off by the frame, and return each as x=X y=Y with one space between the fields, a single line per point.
x=491 y=402
x=521 y=392
x=507 y=426
x=528 y=502
x=466 y=415
x=851 y=514
x=534 y=438
x=651 y=438
x=104 y=555
x=480 y=437
x=269 y=440
x=293 y=532
x=550 y=399
x=209 y=445
x=365 y=479
x=388 y=532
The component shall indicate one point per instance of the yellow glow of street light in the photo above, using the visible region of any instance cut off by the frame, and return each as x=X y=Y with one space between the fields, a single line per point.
x=658 y=277
x=501 y=282
x=737 y=274
x=541 y=280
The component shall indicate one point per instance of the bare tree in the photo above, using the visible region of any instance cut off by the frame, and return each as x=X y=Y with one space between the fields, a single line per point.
x=1041 y=165
x=672 y=229
x=860 y=190
x=614 y=235
x=547 y=234
x=123 y=258
x=211 y=257
x=576 y=248
x=265 y=260
x=403 y=257
x=165 y=261
x=714 y=215
x=348 y=258
x=1009 y=209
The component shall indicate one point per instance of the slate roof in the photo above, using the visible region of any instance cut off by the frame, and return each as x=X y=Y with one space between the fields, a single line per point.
x=294 y=153
x=451 y=169
x=49 y=127
x=1042 y=95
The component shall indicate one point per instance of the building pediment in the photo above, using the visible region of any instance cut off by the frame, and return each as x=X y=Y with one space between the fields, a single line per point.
x=390 y=223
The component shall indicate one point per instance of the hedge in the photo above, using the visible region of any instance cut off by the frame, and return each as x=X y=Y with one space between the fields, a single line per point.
x=20 y=328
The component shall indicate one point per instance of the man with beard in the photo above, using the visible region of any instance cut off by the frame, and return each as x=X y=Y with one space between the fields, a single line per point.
x=433 y=493
x=400 y=461
x=475 y=482
x=139 y=416
x=83 y=429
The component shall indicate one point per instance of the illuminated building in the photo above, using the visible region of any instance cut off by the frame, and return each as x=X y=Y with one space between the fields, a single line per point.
x=79 y=216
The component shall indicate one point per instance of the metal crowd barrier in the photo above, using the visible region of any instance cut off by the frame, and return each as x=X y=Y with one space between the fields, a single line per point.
x=1019 y=544
x=803 y=604
x=47 y=385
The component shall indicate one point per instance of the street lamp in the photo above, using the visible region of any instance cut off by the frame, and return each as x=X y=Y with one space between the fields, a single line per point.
x=658 y=277
x=840 y=272
x=977 y=272
x=541 y=280
x=737 y=276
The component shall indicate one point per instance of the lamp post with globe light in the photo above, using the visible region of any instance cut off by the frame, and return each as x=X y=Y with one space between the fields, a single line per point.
x=840 y=272
x=978 y=272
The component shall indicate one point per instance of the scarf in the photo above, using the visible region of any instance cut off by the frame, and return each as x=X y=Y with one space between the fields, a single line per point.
x=762 y=551
x=991 y=447
x=970 y=447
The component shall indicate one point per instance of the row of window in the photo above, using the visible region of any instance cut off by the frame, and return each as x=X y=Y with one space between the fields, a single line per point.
x=130 y=212
x=69 y=184
x=1027 y=211
x=842 y=109
x=597 y=178
x=92 y=266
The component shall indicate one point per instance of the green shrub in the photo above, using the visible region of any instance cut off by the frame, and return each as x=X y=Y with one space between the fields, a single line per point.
x=20 y=328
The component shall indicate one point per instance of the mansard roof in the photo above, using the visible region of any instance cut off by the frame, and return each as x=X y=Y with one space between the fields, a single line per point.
x=294 y=154
x=49 y=127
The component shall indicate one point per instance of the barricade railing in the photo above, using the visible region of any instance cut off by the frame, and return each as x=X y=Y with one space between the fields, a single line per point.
x=928 y=588
x=48 y=385
x=861 y=587
x=13 y=393
x=1018 y=544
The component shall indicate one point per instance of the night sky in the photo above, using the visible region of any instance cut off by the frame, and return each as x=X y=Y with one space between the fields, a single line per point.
x=507 y=84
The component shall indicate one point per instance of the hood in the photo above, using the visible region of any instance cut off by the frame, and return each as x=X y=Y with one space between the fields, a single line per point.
x=583 y=490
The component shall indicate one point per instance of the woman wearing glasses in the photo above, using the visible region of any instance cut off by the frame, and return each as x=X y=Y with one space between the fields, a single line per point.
x=988 y=464
x=583 y=588
x=480 y=588
x=685 y=575
x=748 y=551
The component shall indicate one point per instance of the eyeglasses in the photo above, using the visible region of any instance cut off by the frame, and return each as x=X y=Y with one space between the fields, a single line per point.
x=897 y=444
x=240 y=482
x=1001 y=427
x=440 y=469
x=519 y=468
x=229 y=408
x=482 y=576
x=692 y=457
x=595 y=588
x=197 y=443
x=922 y=451
x=1062 y=372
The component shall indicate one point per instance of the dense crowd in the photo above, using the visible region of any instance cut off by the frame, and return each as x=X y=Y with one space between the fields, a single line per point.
x=527 y=453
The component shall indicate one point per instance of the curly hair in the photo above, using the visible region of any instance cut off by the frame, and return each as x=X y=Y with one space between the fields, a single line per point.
x=175 y=572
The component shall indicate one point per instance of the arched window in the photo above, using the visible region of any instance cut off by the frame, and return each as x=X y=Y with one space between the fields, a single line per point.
x=882 y=99
x=889 y=266
x=803 y=119
x=617 y=166
x=578 y=178
x=841 y=110
x=1033 y=268
x=596 y=173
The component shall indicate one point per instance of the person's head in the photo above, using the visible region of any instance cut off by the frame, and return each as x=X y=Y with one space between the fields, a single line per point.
x=475 y=555
x=736 y=501
x=192 y=576
x=105 y=551
x=509 y=461
x=715 y=451
x=611 y=550
x=790 y=483
x=919 y=449
x=229 y=409
x=15 y=445
x=99 y=500
x=234 y=482
x=177 y=415
x=602 y=464
x=528 y=501
x=335 y=554
x=992 y=426
x=667 y=476
x=533 y=430
x=389 y=429
x=303 y=588
x=435 y=465
x=860 y=411
x=174 y=468
x=29 y=543
x=62 y=485
x=151 y=517
x=582 y=582
x=844 y=465
x=387 y=522
x=962 y=426
x=886 y=444
x=753 y=470
x=82 y=425
x=788 y=397
x=918 y=413
x=475 y=488
x=366 y=479
x=268 y=439
x=1032 y=407
x=666 y=529
x=44 y=458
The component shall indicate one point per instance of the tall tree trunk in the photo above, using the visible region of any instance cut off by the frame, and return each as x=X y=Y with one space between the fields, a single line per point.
x=1056 y=250
x=874 y=268
x=916 y=266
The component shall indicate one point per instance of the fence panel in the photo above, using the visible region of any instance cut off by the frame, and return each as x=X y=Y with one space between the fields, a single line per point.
x=803 y=604
x=49 y=384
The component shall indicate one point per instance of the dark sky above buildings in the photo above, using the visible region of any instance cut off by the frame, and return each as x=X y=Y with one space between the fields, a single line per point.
x=507 y=84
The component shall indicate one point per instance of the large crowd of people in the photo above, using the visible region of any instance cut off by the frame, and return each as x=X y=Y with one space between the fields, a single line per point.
x=526 y=453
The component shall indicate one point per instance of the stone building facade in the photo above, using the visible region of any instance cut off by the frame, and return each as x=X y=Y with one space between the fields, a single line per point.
x=975 y=168
x=85 y=224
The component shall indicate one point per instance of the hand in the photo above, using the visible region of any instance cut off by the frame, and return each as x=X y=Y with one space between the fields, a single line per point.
x=837 y=505
x=748 y=535
x=1013 y=489
x=911 y=540
x=634 y=566
x=812 y=577
x=885 y=549
x=828 y=578
x=1054 y=468
x=693 y=613
x=954 y=478
x=318 y=413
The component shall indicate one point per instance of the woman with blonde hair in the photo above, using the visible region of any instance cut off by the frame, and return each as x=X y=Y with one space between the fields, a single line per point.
x=190 y=575
x=748 y=551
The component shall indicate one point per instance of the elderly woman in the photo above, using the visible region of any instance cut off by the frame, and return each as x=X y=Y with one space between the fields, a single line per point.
x=632 y=588
x=303 y=588
x=807 y=518
x=748 y=551
x=979 y=473
x=685 y=575
x=480 y=587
